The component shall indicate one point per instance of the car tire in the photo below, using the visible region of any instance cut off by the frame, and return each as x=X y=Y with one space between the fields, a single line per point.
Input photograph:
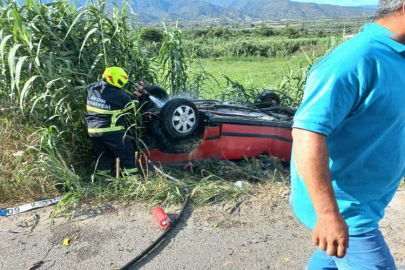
x=267 y=98
x=156 y=92
x=179 y=118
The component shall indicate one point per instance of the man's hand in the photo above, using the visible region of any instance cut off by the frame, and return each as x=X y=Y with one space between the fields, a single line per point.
x=331 y=235
x=138 y=94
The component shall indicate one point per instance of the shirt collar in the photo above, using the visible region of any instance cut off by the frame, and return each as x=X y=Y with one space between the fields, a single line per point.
x=384 y=35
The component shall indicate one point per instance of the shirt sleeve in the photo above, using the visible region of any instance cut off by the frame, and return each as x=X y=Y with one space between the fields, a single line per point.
x=329 y=96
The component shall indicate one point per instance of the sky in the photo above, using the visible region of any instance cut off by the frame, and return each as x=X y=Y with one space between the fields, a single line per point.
x=342 y=2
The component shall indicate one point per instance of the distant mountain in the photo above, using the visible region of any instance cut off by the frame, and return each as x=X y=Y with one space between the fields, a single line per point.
x=155 y=11
x=286 y=9
x=370 y=6
x=203 y=11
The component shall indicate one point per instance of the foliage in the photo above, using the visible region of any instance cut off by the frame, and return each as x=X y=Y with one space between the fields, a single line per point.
x=50 y=54
x=151 y=34
x=201 y=81
x=291 y=89
x=258 y=170
x=56 y=52
x=219 y=32
x=274 y=47
x=16 y=160
x=299 y=28
x=237 y=93
x=266 y=32
x=290 y=32
x=195 y=33
x=173 y=61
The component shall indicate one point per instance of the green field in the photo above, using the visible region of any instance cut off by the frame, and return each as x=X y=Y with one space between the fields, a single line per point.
x=259 y=72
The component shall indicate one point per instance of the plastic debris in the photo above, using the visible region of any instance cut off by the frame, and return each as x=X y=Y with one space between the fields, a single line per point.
x=29 y=206
x=242 y=184
x=66 y=242
x=18 y=154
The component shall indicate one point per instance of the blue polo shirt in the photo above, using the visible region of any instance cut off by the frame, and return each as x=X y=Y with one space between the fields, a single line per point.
x=356 y=97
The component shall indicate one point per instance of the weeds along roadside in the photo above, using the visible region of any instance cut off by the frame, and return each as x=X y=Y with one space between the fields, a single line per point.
x=211 y=183
x=49 y=55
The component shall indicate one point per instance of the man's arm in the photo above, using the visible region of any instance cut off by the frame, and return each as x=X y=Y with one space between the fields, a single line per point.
x=312 y=160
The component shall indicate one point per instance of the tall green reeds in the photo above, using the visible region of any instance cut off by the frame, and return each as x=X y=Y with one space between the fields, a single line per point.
x=173 y=61
x=49 y=55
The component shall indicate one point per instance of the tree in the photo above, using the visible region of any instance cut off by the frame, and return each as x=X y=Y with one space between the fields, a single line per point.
x=219 y=32
x=151 y=34
x=290 y=32
x=320 y=33
x=265 y=31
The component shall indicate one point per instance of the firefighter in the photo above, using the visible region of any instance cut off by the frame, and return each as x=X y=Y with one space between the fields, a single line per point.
x=107 y=105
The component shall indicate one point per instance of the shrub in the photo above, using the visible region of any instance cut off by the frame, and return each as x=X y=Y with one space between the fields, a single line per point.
x=265 y=31
x=151 y=34
x=290 y=32
x=219 y=32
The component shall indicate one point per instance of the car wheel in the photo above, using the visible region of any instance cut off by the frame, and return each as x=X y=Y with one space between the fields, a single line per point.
x=267 y=98
x=154 y=91
x=179 y=118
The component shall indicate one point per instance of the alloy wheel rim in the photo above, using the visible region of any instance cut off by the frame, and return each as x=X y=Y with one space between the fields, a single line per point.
x=184 y=119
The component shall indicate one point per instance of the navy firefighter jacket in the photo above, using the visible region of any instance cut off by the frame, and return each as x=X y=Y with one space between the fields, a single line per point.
x=106 y=108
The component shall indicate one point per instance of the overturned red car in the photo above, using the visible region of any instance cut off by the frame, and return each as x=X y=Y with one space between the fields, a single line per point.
x=181 y=131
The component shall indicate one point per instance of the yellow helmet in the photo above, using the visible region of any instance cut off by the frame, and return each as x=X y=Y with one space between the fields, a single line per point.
x=115 y=76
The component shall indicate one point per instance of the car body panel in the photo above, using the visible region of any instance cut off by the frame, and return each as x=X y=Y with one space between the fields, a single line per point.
x=234 y=141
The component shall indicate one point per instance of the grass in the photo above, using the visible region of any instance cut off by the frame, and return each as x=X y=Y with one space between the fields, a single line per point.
x=29 y=176
x=18 y=181
x=210 y=183
x=50 y=54
x=266 y=73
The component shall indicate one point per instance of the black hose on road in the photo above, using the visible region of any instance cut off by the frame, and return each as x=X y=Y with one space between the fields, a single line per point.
x=158 y=241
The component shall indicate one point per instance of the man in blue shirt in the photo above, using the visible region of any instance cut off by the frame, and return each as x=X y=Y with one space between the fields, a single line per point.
x=349 y=144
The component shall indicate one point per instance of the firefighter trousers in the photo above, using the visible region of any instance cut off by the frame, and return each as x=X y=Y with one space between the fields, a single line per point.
x=110 y=146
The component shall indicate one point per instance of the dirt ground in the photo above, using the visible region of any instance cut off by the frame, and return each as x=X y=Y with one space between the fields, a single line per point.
x=258 y=234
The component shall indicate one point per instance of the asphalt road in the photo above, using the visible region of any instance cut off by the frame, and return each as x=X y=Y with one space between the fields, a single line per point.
x=260 y=234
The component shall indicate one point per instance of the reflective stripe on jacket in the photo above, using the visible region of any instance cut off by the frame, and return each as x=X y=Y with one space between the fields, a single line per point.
x=106 y=106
